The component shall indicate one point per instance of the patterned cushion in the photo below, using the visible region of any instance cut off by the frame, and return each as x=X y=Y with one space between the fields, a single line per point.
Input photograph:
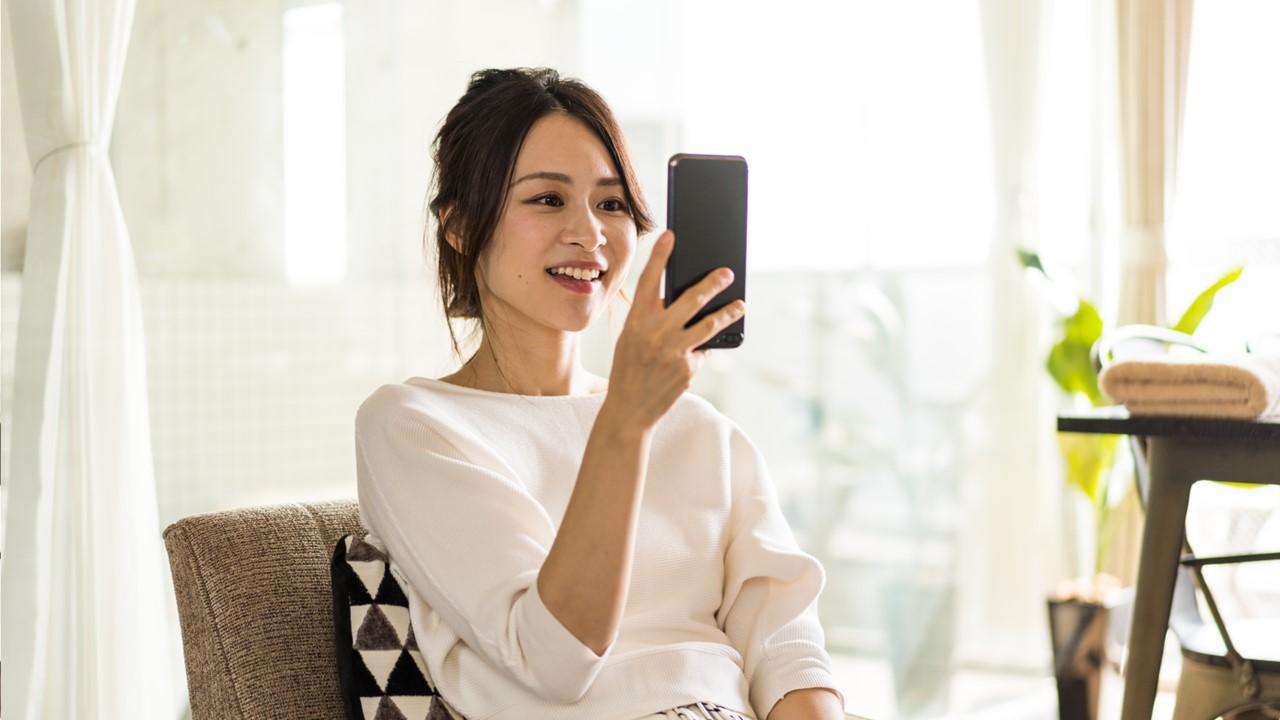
x=382 y=672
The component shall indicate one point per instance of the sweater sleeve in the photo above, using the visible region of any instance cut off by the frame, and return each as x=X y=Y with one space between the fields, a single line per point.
x=471 y=542
x=769 y=610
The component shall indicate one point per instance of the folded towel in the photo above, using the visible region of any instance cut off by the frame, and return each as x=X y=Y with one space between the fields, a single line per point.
x=1236 y=386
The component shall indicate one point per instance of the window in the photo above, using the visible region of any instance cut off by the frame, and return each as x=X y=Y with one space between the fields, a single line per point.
x=314 y=144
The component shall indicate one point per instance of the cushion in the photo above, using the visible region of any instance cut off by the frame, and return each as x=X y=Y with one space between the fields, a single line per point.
x=381 y=670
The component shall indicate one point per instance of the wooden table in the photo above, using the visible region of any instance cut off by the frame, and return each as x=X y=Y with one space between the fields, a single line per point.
x=1181 y=451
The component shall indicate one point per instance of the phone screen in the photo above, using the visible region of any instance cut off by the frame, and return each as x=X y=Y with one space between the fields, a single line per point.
x=707 y=210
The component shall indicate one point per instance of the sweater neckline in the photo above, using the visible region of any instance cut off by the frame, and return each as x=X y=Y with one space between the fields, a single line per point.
x=462 y=389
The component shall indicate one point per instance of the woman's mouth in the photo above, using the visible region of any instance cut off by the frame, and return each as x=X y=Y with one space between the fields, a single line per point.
x=585 y=286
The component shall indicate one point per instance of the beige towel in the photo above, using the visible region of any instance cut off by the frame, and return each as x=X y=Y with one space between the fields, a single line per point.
x=1236 y=386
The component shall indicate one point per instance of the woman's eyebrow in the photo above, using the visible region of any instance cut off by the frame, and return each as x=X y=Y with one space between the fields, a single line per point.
x=561 y=177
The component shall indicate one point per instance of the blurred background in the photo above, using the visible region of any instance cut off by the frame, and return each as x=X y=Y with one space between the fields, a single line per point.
x=272 y=161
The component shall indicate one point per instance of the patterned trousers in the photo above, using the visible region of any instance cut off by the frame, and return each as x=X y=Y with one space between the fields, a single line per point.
x=699 y=711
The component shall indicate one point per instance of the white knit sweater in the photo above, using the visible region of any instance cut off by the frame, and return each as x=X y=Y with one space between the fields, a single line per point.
x=467 y=487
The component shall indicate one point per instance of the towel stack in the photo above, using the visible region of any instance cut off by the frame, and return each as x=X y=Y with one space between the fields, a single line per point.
x=1239 y=386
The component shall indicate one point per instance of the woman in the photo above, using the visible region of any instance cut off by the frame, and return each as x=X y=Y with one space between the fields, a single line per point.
x=578 y=547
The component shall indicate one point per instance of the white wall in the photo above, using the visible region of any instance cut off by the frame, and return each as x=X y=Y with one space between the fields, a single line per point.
x=254 y=383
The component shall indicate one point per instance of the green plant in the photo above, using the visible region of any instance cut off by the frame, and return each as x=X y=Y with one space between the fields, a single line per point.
x=1088 y=457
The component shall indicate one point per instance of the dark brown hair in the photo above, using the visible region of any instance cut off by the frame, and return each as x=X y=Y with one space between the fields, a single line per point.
x=475 y=156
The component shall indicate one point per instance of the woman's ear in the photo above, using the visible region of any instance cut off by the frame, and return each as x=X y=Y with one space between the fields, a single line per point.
x=450 y=236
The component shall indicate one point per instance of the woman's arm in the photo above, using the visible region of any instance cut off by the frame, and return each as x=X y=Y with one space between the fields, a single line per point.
x=769 y=610
x=808 y=704
x=584 y=580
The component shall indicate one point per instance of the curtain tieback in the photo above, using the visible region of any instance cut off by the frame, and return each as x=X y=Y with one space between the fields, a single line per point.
x=1143 y=245
x=93 y=147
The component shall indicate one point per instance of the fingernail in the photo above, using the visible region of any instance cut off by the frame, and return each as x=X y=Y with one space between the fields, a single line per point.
x=726 y=274
x=738 y=308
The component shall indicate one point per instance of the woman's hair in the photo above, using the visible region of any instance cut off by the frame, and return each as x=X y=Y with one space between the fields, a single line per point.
x=475 y=156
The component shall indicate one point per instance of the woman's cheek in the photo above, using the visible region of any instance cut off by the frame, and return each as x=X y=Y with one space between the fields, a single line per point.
x=626 y=246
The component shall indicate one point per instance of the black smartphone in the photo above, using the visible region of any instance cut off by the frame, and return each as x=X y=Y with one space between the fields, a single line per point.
x=707 y=210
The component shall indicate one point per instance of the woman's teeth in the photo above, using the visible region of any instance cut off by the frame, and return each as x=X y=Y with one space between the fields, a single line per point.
x=576 y=273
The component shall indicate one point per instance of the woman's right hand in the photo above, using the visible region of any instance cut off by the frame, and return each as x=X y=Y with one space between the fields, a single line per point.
x=655 y=358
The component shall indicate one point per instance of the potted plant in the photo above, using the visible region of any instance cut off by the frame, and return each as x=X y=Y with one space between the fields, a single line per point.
x=1079 y=613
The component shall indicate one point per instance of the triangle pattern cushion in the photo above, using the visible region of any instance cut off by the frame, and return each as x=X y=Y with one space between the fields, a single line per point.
x=362 y=681
x=369 y=706
x=390 y=593
x=360 y=551
x=406 y=678
x=371 y=573
x=397 y=619
x=388 y=710
x=380 y=664
x=416 y=707
x=382 y=672
x=376 y=632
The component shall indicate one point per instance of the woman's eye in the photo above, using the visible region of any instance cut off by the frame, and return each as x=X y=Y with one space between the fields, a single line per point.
x=556 y=200
x=616 y=205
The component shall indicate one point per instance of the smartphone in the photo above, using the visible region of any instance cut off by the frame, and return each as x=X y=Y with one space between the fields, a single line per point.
x=707 y=210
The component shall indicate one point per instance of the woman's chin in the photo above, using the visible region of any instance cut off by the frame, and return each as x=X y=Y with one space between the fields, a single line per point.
x=574 y=326
x=572 y=322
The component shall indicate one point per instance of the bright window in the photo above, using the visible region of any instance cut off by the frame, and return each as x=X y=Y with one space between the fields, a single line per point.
x=1229 y=174
x=314 y=145
x=1227 y=205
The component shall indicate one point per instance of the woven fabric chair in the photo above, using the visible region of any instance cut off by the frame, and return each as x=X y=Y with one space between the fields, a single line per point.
x=255 y=606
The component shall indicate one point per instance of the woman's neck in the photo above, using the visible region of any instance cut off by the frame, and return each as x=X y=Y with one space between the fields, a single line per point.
x=529 y=373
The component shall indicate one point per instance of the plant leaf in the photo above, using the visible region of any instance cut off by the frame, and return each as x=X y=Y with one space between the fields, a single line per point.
x=1088 y=459
x=1069 y=363
x=1200 y=307
x=1241 y=485
x=1031 y=261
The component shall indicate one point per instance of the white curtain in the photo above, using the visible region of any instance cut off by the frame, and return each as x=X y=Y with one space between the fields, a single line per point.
x=1153 y=40
x=88 y=610
x=1019 y=493
x=1153 y=43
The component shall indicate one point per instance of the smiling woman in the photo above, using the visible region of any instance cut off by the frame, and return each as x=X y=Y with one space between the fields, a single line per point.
x=525 y=121
x=574 y=225
x=577 y=547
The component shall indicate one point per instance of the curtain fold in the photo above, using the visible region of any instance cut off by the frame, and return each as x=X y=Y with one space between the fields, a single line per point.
x=1153 y=41
x=1153 y=44
x=90 y=628
x=1018 y=503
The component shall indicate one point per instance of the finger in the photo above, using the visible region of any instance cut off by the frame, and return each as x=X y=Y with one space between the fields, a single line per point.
x=699 y=357
x=711 y=325
x=648 y=287
x=691 y=301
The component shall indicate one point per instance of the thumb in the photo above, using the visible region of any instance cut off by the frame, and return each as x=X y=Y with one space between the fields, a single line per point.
x=648 y=287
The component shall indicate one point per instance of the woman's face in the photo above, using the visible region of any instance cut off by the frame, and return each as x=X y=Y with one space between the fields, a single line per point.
x=566 y=205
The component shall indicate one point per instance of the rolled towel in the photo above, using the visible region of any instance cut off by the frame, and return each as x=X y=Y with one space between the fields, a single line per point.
x=1236 y=386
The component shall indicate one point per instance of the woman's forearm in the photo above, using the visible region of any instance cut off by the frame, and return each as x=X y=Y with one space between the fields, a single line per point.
x=808 y=704
x=584 y=580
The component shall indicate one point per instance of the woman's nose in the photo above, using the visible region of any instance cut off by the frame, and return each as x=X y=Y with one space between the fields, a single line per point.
x=585 y=229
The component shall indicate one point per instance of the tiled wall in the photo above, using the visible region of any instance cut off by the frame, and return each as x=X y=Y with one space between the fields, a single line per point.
x=253 y=386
